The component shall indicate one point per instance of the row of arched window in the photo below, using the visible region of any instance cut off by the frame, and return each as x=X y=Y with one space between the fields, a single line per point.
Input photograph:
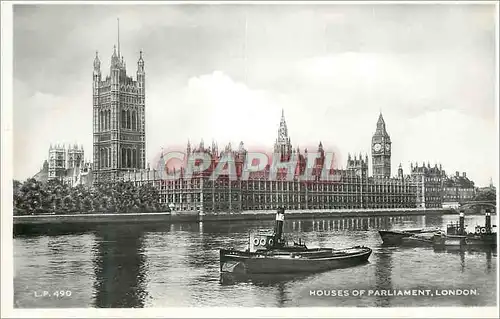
x=128 y=157
x=105 y=157
x=104 y=120
x=128 y=120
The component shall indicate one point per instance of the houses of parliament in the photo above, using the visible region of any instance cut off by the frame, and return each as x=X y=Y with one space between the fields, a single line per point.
x=119 y=154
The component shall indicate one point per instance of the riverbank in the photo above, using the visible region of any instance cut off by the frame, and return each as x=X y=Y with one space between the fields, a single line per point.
x=192 y=216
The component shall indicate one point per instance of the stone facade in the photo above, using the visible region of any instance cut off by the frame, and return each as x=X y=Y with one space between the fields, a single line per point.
x=119 y=118
x=349 y=188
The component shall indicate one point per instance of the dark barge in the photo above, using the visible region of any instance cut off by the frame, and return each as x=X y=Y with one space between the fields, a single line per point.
x=271 y=253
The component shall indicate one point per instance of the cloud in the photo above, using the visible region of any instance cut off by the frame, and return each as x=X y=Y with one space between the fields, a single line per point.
x=214 y=106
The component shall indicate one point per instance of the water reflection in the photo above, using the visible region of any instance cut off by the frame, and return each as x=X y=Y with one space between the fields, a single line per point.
x=357 y=223
x=119 y=261
x=488 y=252
x=261 y=280
x=383 y=275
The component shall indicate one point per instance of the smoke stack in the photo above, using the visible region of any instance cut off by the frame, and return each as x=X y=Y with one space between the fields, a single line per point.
x=487 y=223
x=462 y=223
x=278 y=229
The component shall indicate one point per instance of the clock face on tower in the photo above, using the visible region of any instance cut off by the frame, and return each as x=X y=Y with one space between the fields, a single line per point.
x=377 y=147
x=387 y=147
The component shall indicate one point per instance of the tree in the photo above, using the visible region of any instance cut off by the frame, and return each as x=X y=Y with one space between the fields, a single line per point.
x=486 y=195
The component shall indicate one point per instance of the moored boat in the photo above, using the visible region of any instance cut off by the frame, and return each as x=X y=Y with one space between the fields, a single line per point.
x=482 y=235
x=397 y=237
x=271 y=253
x=418 y=240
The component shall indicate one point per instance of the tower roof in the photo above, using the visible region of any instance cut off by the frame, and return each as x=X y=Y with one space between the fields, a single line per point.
x=283 y=138
x=97 y=62
x=381 y=131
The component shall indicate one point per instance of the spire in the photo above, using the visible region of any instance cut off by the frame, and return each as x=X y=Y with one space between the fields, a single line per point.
x=97 y=62
x=282 y=131
x=140 y=63
x=380 y=124
x=118 y=20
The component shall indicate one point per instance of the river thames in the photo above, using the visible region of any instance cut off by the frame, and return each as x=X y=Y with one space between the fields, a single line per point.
x=177 y=265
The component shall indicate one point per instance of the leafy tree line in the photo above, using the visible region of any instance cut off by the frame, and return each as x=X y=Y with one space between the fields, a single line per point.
x=485 y=195
x=33 y=197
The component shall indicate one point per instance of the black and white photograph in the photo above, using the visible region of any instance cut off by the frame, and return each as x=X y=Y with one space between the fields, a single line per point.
x=240 y=155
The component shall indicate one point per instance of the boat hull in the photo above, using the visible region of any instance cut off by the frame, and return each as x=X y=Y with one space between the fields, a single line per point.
x=397 y=237
x=416 y=241
x=287 y=262
x=482 y=240
x=449 y=240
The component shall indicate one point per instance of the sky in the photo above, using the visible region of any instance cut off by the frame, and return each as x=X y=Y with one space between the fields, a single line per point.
x=225 y=72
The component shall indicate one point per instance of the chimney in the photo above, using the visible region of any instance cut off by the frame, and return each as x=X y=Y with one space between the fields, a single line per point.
x=457 y=174
x=462 y=223
x=278 y=229
x=487 y=223
x=464 y=175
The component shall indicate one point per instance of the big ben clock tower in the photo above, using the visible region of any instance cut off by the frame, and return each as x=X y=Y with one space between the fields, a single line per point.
x=381 y=151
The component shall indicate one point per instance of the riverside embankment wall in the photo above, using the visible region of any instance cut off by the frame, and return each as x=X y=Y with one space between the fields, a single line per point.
x=221 y=216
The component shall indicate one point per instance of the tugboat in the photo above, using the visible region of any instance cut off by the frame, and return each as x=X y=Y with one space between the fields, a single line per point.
x=270 y=253
x=457 y=235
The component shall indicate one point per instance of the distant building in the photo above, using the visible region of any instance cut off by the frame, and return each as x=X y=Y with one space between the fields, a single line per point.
x=57 y=161
x=66 y=164
x=458 y=188
x=62 y=159
x=43 y=175
x=489 y=188
x=428 y=181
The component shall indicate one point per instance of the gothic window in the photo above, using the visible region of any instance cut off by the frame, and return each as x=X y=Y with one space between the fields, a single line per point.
x=123 y=119
x=104 y=120
x=128 y=119
x=134 y=120
x=134 y=158
x=101 y=127
x=109 y=119
x=128 y=157
x=106 y=153
x=109 y=156
x=101 y=157
x=123 y=158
